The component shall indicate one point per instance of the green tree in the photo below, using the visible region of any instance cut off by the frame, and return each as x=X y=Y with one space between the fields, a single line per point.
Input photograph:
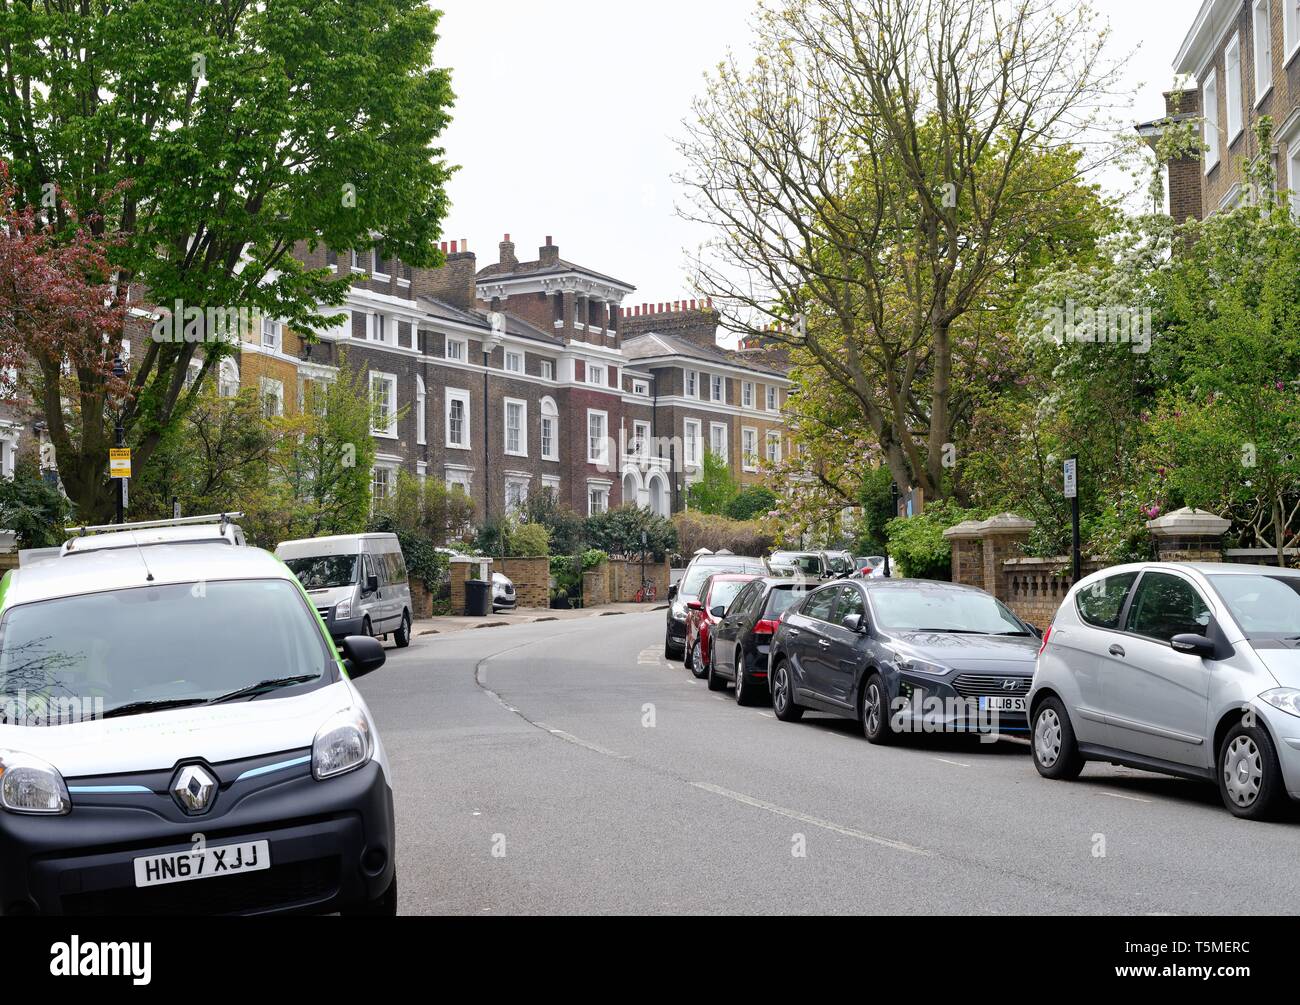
x=716 y=488
x=206 y=142
x=619 y=532
x=754 y=502
x=33 y=509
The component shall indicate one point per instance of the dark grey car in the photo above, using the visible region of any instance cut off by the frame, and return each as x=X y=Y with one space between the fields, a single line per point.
x=904 y=656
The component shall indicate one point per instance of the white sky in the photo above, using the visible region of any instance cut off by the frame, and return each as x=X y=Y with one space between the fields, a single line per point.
x=565 y=112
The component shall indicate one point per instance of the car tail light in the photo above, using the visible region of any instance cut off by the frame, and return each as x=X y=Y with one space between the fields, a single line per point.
x=767 y=626
x=1046 y=635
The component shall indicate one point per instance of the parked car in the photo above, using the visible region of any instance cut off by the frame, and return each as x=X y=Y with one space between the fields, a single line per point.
x=716 y=595
x=802 y=564
x=841 y=563
x=740 y=643
x=358 y=583
x=211 y=753
x=681 y=594
x=1190 y=670
x=503 y=593
x=869 y=565
x=904 y=656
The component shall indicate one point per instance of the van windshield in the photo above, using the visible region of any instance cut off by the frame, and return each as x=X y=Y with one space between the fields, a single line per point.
x=152 y=648
x=324 y=572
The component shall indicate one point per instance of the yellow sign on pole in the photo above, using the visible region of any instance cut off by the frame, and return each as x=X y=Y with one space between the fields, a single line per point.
x=119 y=462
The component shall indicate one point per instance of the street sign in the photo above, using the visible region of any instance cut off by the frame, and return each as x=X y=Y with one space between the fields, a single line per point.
x=119 y=462
x=1072 y=478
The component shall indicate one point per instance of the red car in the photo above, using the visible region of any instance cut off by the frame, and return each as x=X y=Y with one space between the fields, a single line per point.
x=716 y=594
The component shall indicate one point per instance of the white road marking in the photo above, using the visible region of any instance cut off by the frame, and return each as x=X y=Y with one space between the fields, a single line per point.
x=1120 y=795
x=594 y=748
x=761 y=804
x=944 y=760
x=767 y=715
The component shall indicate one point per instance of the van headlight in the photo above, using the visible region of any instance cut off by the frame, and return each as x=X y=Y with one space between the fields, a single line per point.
x=30 y=785
x=343 y=744
x=344 y=609
x=1285 y=698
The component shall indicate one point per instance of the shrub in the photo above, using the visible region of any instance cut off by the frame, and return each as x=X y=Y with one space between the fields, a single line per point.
x=33 y=509
x=717 y=533
x=752 y=503
x=917 y=543
x=618 y=532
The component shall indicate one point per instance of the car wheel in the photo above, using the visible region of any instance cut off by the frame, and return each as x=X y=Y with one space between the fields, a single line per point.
x=670 y=647
x=1056 y=755
x=716 y=681
x=1250 y=779
x=383 y=906
x=783 y=694
x=693 y=661
x=745 y=688
x=403 y=634
x=874 y=712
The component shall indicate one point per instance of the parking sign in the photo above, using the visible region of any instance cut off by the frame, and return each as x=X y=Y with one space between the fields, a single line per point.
x=1072 y=478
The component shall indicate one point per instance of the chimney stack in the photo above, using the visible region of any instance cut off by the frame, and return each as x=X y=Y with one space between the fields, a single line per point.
x=508 y=252
x=549 y=254
x=455 y=283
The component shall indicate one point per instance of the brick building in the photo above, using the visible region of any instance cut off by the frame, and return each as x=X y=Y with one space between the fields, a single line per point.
x=1242 y=55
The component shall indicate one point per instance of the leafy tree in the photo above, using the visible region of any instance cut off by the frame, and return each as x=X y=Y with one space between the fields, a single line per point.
x=752 y=503
x=618 y=532
x=716 y=488
x=882 y=182
x=34 y=510
x=567 y=530
x=917 y=543
x=203 y=143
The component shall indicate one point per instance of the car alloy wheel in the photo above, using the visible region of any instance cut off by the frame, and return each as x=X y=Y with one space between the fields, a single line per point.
x=875 y=707
x=781 y=689
x=1047 y=738
x=740 y=674
x=1243 y=771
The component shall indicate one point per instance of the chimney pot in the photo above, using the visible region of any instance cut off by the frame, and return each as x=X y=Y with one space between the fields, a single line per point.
x=453 y=247
x=507 y=239
x=549 y=242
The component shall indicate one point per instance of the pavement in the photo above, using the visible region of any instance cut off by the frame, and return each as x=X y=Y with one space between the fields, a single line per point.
x=566 y=768
x=450 y=624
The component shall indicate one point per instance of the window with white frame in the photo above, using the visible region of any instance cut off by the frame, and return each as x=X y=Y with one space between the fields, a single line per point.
x=383 y=404
x=548 y=369
x=272 y=334
x=692 y=383
x=457 y=350
x=774 y=448
x=459 y=478
x=1232 y=83
x=718 y=439
x=1262 y=19
x=421 y=415
x=1210 y=106
x=550 y=430
x=379 y=271
x=597 y=498
x=516 y=427
x=1293 y=173
x=597 y=437
x=551 y=483
x=272 y=397
x=747 y=393
x=378 y=328
x=228 y=378
x=457 y=419
x=772 y=397
x=1291 y=28
x=691 y=443
x=716 y=388
x=355 y=262
x=596 y=374
x=383 y=479
x=749 y=449
x=641 y=387
x=516 y=493
x=514 y=362
x=639 y=446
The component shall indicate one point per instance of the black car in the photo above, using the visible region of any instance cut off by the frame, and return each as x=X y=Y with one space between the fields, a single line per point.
x=904 y=656
x=741 y=640
x=700 y=569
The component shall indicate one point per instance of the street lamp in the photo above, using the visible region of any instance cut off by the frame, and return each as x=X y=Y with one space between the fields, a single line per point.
x=119 y=436
x=498 y=322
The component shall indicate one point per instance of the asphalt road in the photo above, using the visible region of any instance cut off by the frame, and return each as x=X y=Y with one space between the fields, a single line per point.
x=566 y=767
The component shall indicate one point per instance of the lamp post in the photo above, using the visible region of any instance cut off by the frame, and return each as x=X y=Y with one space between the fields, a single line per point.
x=119 y=439
x=498 y=322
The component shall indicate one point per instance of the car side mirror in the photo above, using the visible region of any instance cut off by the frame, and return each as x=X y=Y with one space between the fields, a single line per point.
x=361 y=655
x=718 y=611
x=672 y=593
x=853 y=622
x=1037 y=632
x=695 y=605
x=1193 y=645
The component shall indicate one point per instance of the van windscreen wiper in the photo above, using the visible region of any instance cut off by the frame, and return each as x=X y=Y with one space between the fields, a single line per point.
x=154 y=705
x=261 y=687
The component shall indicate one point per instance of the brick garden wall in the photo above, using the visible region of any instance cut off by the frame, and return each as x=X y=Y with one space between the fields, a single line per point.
x=532 y=579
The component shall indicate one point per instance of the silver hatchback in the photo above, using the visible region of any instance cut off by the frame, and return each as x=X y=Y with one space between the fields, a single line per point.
x=1189 y=670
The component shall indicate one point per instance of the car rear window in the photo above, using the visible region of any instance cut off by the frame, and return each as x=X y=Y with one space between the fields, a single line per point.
x=724 y=593
x=782 y=598
x=1100 y=603
x=698 y=573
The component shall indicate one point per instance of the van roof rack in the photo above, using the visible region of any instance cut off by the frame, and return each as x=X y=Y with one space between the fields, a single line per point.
x=224 y=519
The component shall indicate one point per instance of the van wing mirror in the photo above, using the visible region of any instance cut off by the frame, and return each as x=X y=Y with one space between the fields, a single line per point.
x=362 y=655
x=372 y=584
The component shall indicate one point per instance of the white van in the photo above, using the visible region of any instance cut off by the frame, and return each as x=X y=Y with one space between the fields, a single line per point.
x=357 y=582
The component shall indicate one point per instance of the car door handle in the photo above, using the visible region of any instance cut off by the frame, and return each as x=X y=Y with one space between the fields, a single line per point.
x=794 y=631
x=1117 y=650
x=824 y=642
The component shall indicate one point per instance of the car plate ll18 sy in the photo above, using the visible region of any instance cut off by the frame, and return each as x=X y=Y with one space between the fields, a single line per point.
x=219 y=860
x=1001 y=704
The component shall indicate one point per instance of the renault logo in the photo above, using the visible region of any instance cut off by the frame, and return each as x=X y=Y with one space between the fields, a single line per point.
x=194 y=788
